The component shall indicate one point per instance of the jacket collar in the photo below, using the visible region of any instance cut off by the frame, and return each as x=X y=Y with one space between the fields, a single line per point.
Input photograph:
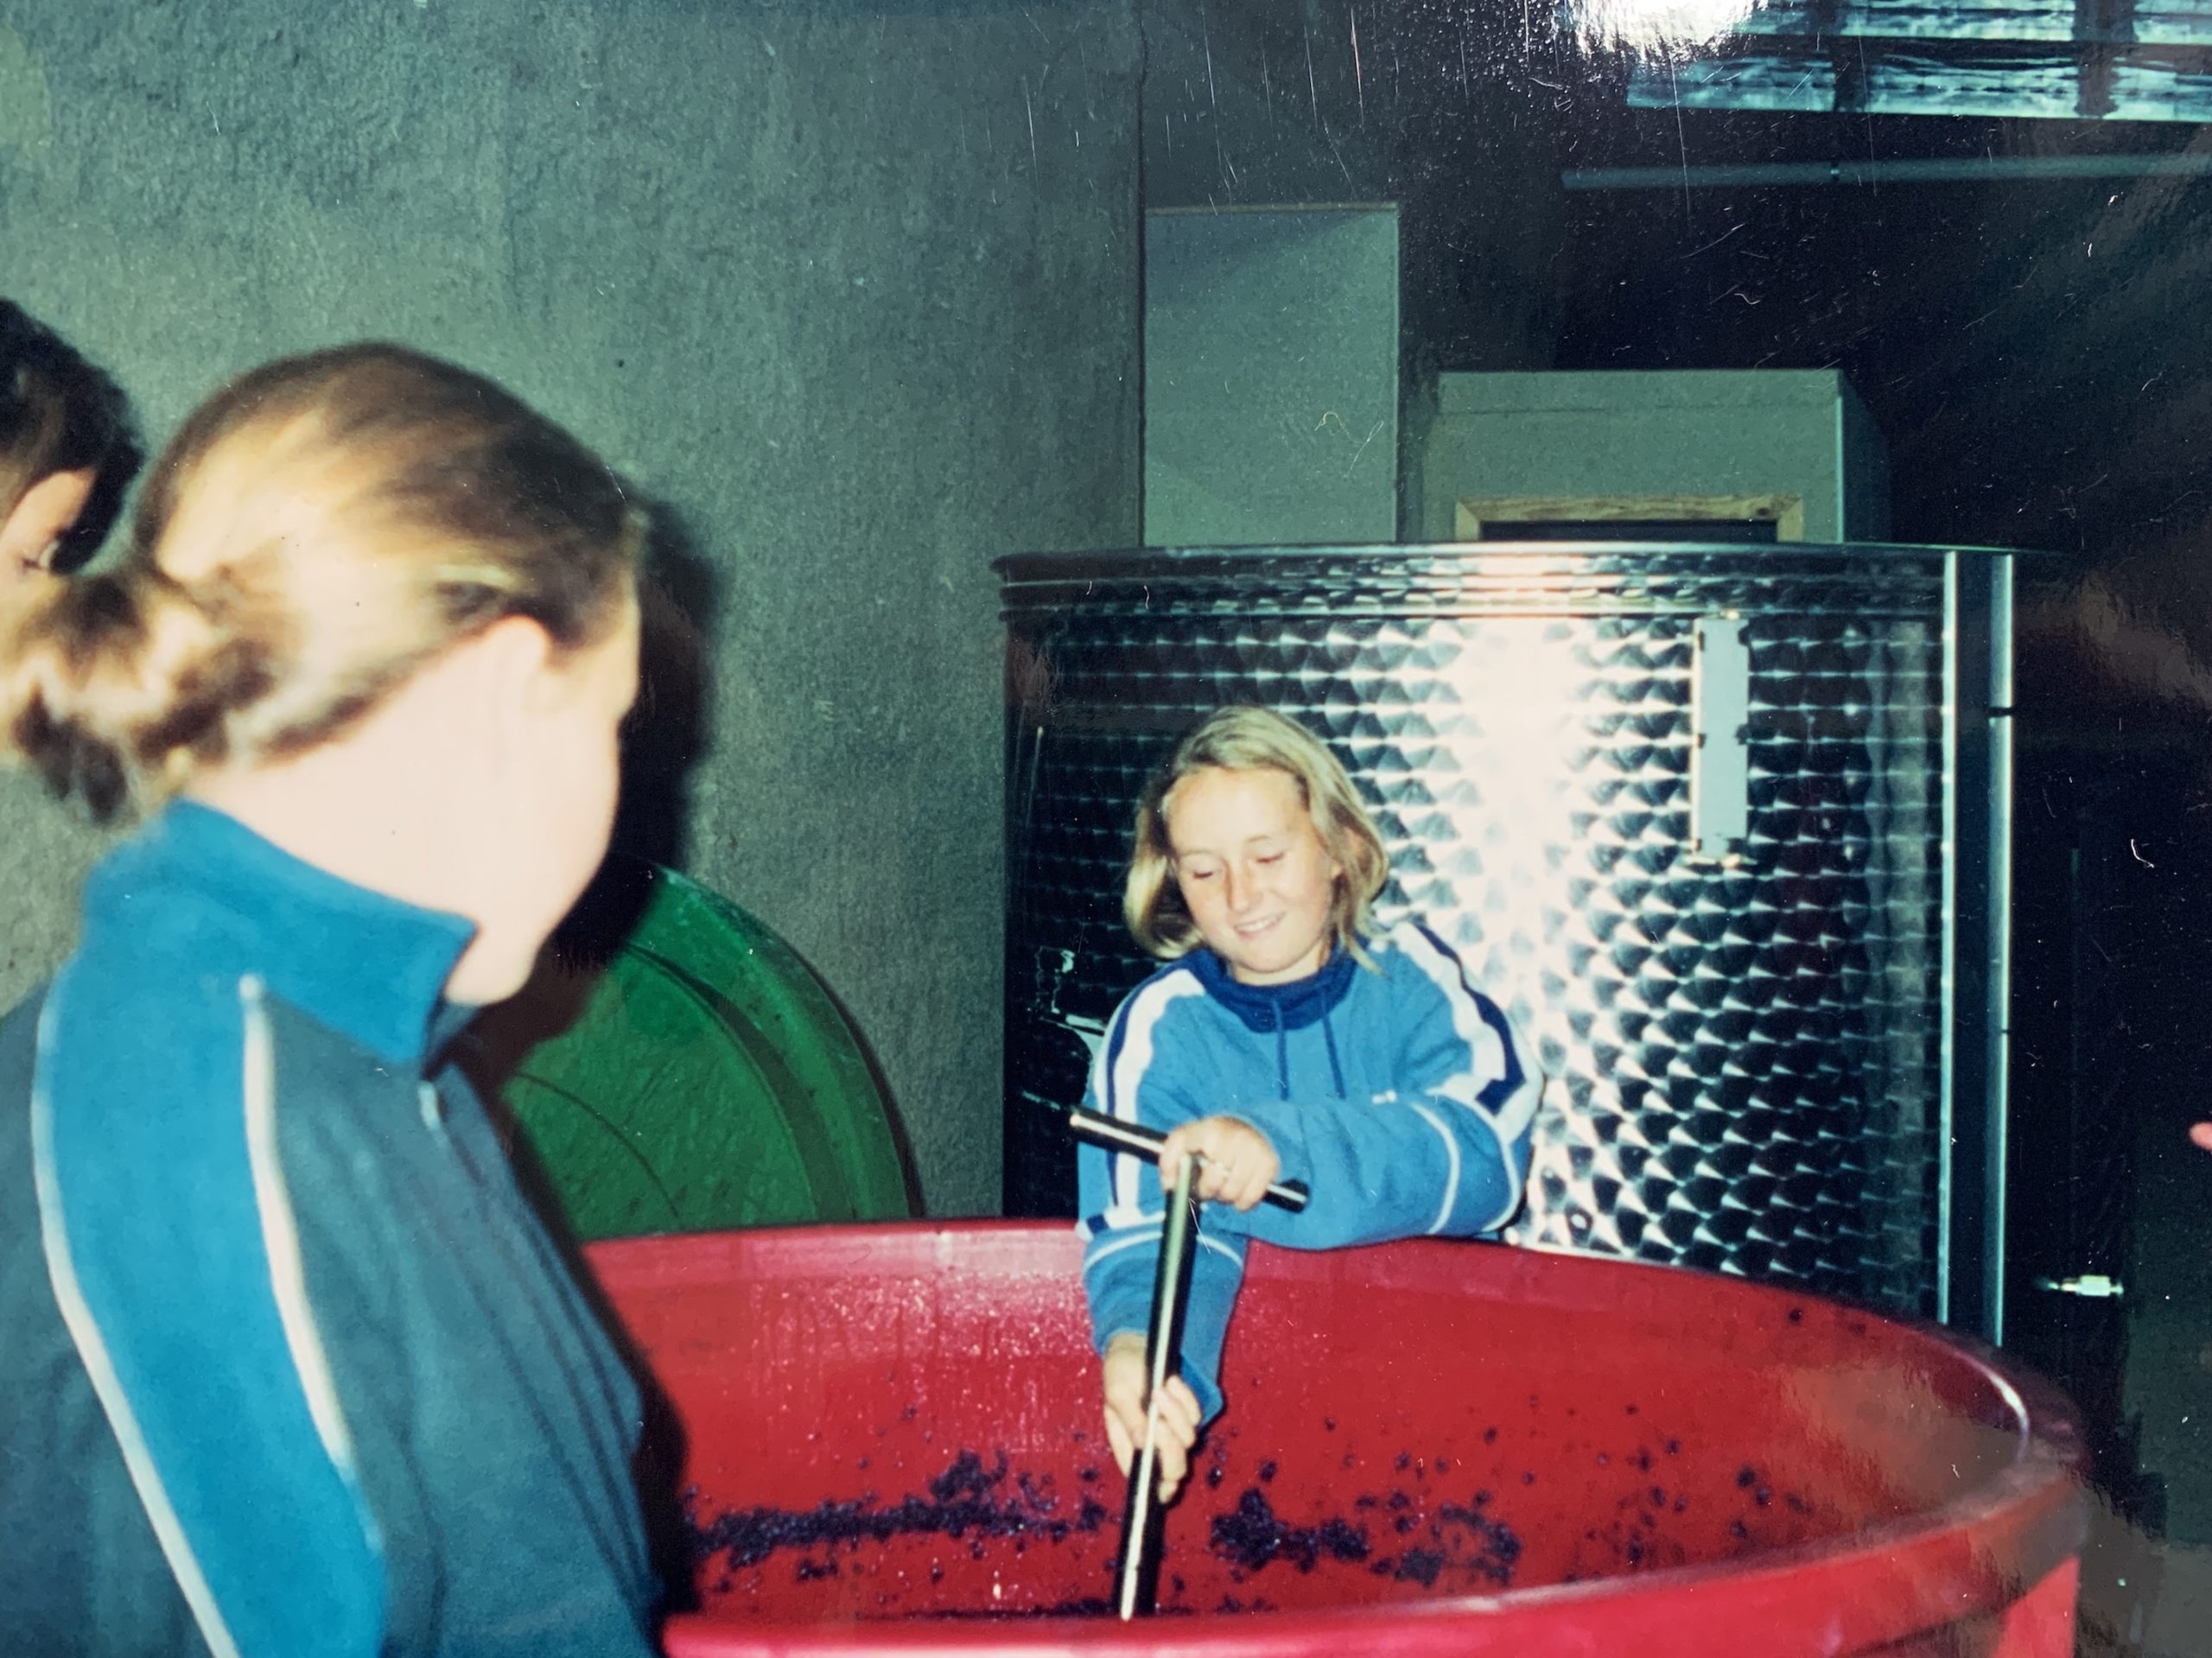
x=200 y=884
x=1271 y=1007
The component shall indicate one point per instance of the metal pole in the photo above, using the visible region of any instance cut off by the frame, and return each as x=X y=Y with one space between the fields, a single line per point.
x=1171 y=1284
x=2002 y=728
x=1965 y=169
x=1170 y=1291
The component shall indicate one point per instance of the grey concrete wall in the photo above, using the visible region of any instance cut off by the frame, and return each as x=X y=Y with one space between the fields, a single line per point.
x=852 y=288
x=1271 y=375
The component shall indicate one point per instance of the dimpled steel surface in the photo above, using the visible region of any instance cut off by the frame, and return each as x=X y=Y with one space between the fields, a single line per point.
x=1744 y=1054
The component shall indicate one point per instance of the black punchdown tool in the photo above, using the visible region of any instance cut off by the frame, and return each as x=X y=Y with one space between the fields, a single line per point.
x=1141 y=1516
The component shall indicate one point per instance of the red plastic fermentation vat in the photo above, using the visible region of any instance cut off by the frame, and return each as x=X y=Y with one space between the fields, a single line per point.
x=891 y=1446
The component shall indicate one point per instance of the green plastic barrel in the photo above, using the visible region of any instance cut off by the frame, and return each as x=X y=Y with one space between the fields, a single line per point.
x=708 y=1080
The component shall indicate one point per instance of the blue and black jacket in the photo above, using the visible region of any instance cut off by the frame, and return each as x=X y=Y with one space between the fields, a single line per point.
x=290 y=1366
x=1399 y=1094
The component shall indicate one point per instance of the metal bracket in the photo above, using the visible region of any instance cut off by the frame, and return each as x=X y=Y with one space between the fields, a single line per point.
x=2094 y=1286
x=1720 y=747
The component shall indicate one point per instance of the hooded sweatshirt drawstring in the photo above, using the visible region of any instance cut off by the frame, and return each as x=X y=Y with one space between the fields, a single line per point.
x=1282 y=1052
x=1283 y=1008
x=1336 y=1069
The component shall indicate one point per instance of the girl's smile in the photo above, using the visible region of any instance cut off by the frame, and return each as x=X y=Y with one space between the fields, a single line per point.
x=1253 y=871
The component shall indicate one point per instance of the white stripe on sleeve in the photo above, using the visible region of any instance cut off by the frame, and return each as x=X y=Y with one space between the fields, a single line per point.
x=92 y=1349
x=1491 y=1061
x=1140 y=1018
x=280 y=1238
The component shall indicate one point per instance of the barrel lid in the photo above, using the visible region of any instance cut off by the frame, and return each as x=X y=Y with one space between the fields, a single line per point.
x=682 y=1068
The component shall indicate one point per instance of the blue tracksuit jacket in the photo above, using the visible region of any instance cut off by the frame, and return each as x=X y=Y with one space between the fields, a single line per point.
x=288 y=1365
x=1401 y=1095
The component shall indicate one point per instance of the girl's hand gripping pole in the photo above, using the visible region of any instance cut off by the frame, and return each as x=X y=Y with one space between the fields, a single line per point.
x=1139 y=1586
x=1137 y=1141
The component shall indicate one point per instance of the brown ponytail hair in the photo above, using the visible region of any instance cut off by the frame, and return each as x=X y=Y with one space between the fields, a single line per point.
x=314 y=535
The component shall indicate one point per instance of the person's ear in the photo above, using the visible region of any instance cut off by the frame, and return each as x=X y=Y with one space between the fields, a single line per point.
x=507 y=670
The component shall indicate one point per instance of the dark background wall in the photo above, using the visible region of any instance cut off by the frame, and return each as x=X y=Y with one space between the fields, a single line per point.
x=2038 y=356
x=851 y=288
